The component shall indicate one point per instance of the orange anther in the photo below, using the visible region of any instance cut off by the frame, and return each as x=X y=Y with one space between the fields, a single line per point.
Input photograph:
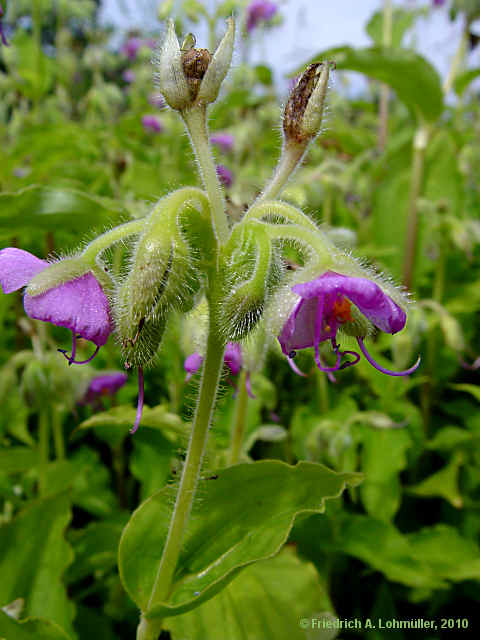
x=342 y=310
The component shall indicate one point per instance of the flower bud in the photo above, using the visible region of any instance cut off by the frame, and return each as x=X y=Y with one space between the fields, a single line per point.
x=304 y=109
x=188 y=76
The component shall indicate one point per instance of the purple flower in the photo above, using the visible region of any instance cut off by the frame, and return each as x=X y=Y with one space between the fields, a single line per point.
x=79 y=304
x=438 y=3
x=128 y=76
x=192 y=364
x=152 y=124
x=131 y=47
x=259 y=10
x=3 y=39
x=225 y=175
x=326 y=304
x=105 y=384
x=224 y=141
x=233 y=357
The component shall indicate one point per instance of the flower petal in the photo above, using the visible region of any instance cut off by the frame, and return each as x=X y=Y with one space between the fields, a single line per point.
x=375 y=305
x=17 y=268
x=79 y=305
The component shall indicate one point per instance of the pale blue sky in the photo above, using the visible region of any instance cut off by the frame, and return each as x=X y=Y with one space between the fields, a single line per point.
x=312 y=25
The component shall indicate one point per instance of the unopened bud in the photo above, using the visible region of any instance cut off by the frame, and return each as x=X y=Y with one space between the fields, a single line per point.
x=304 y=109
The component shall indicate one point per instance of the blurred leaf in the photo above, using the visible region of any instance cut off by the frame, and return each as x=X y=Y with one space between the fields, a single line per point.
x=443 y=483
x=231 y=533
x=151 y=460
x=273 y=611
x=266 y=433
x=472 y=389
x=463 y=80
x=264 y=74
x=403 y=70
x=15 y=459
x=52 y=209
x=402 y=21
x=34 y=540
x=383 y=457
x=32 y=629
x=31 y=70
x=448 y=438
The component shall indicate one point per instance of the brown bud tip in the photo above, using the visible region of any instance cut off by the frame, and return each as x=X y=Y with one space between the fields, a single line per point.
x=298 y=101
x=195 y=63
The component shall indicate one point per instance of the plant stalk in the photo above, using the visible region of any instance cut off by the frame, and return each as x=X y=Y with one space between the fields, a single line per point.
x=290 y=159
x=384 y=88
x=240 y=422
x=43 y=453
x=58 y=439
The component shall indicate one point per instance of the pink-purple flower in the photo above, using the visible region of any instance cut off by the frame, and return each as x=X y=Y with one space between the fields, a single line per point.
x=79 y=304
x=131 y=47
x=224 y=141
x=258 y=11
x=152 y=124
x=326 y=305
x=225 y=175
x=105 y=384
x=128 y=76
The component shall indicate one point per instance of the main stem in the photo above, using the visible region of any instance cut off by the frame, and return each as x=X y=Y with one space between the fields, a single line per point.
x=190 y=475
x=196 y=122
x=239 y=425
x=290 y=159
x=419 y=148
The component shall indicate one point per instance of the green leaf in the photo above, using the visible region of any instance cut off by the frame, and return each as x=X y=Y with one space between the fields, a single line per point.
x=150 y=461
x=450 y=437
x=113 y=425
x=443 y=483
x=403 y=70
x=273 y=610
x=228 y=536
x=15 y=459
x=463 y=80
x=402 y=21
x=383 y=458
x=32 y=629
x=33 y=557
x=49 y=209
x=472 y=389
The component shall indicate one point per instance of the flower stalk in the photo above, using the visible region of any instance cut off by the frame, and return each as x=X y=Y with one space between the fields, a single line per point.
x=240 y=421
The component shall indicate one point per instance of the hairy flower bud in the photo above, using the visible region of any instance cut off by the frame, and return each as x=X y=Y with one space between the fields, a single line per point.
x=304 y=109
x=188 y=76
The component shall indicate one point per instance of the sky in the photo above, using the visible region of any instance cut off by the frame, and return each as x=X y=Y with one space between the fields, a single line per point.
x=311 y=26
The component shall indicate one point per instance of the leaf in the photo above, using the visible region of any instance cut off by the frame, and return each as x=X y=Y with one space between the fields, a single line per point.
x=443 y=483
x=383 y=457
x=34 y=555
x=273 y=610
x=32 y=629
x=150 y=461
x=450 y=437
x=472 y=389
x=48 y=209
x=463 y=80
x=227 y=535
x=15 y=459
x=113 y=425
x=403 y=70
x=402 y=21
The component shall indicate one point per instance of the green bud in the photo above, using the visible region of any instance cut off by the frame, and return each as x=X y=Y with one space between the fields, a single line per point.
x=304 y=109
x=188 y=76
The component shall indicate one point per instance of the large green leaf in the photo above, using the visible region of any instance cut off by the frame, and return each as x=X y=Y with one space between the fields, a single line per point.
x=244 y=514
x=273 y=610
x=402 y=21
x=51 y=209
x=33 y=557
x=414 y=80
x=32 y=629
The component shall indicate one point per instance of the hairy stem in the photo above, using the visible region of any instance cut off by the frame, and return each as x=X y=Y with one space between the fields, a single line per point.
x=111 y=237
x=240 y=422
x=279 y=210
x=290 y=159
x=190 y=475
x=196 y=123
x=419 y=148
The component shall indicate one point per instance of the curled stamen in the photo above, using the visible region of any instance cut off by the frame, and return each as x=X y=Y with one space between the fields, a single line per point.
x=141 y=391
x=71 y=359
x=407 y=372
x=319 y=362
x=350 y=363
x=294 y=368
x=74 y=350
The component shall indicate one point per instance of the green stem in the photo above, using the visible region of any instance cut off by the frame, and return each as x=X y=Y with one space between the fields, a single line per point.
x=58 y=439
x=190 y=475
x=384 y=88
x=328 y=205
x=419 y=148
x=290 y=159
x=239 y=425
x=110 y=237
x=457 y=60
x=43 y=453
x=322 y=386
x=279 y=210
x=196 y=123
